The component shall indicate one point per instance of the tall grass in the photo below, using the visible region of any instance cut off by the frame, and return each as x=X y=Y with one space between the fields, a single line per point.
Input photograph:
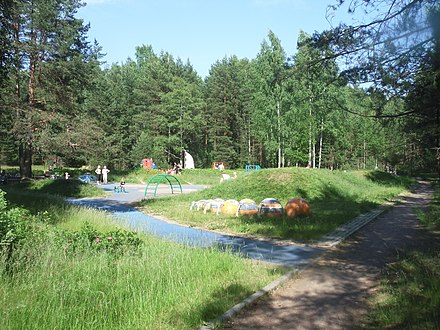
x=335 y=197
x=162 y=285
x=166 y=286
x=409 y=297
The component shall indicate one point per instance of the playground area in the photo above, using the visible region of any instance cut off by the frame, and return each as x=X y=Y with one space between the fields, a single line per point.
x=135 y=192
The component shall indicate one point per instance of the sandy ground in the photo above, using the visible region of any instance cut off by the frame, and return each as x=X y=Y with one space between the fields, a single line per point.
x=333 y=292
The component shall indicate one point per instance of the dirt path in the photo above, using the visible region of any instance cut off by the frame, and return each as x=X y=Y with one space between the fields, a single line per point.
x=332 y=292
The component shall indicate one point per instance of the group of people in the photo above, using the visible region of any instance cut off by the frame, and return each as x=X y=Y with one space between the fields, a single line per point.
x=102 y=174
x=176 y=170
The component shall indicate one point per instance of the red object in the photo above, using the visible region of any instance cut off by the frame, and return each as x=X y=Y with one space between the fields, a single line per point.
x=216 y=164
x=147 y=163
x=297 y=206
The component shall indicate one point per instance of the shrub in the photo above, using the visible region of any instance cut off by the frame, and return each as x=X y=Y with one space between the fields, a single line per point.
x=88 y=239
x=14 y=223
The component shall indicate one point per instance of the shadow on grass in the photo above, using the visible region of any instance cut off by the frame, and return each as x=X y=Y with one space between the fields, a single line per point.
x=388 y=179
x=58 y=187
x=220 y=301
x=329 y=211
x=41 y=195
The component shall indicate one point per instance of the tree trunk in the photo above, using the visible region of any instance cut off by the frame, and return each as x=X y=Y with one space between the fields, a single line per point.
x=309 y=163
x=320 y=143
x=279 y=133
x=365 y=154
x=26 y=154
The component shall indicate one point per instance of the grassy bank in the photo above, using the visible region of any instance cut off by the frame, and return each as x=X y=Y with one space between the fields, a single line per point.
x=72 y=268
x=408 y=297
x=48 y=196
x=335 y=197
x=163 y=286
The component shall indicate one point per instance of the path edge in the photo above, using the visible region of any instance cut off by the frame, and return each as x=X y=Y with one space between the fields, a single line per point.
x=327 y=241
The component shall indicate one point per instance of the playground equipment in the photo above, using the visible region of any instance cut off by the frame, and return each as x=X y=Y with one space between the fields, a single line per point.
x=270 y=207
x=188 y=160
x=148 y=163
x=250 y=168
x=218 y=165
x=200 y=204
x=87 y=178
x=119 y=189
x=297 y=206
x=214 y=206
x=230 y=206
x=247 y=207
x=156 y=180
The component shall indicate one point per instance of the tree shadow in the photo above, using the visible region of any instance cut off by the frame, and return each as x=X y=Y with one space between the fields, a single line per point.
x=221 y=300
x=329 y=210
x=388 y=179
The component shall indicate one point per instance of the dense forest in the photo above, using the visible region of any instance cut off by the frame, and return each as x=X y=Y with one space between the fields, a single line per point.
x=353 y=97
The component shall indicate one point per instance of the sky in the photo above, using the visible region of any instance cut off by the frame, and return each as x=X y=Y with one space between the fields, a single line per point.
x=202 y=31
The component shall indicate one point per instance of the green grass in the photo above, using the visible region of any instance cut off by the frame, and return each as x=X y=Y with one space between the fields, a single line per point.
x=166 y=286
x=41 y=195
x=408 y=297
x=335 y=197
x=431 y=219
x=162 y=286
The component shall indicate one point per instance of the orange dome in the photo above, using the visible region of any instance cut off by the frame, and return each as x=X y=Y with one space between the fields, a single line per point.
x=297 y=206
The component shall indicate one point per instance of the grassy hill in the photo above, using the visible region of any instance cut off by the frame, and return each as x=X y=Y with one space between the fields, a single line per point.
x=335 y=197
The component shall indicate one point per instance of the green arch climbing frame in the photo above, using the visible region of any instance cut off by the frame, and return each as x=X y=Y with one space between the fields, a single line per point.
x=156 y=180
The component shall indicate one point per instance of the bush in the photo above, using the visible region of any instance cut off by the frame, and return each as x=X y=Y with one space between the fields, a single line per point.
x=14 y=223
x=88 y=239
x=16 y=226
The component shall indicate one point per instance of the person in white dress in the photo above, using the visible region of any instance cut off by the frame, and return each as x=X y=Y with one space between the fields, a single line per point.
x=105 y=171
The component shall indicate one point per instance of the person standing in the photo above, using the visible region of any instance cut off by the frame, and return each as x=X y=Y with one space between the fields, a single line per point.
x=98 y=172
x=104 y=171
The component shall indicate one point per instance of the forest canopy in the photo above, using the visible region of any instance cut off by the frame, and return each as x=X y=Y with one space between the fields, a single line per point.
x=353 y=97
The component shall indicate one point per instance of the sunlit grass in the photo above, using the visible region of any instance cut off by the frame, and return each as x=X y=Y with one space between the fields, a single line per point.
x=335 y=197
x=164 y=285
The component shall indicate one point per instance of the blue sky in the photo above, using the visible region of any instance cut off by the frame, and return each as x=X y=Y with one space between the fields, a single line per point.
x=201 y=31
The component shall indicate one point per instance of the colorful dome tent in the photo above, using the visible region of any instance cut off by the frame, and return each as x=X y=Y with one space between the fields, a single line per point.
x=215 y=206
x=297 y=206
x=200 y=204
x=230 y=206
x=270 y=207
x=247 y=207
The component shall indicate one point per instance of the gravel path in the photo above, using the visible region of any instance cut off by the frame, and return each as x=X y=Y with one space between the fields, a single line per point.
x=332 y=292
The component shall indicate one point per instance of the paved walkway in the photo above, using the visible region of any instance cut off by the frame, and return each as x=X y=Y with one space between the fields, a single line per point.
x=332 y=293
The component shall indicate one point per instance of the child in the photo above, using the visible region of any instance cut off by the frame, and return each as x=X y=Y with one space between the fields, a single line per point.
x=121 y=187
